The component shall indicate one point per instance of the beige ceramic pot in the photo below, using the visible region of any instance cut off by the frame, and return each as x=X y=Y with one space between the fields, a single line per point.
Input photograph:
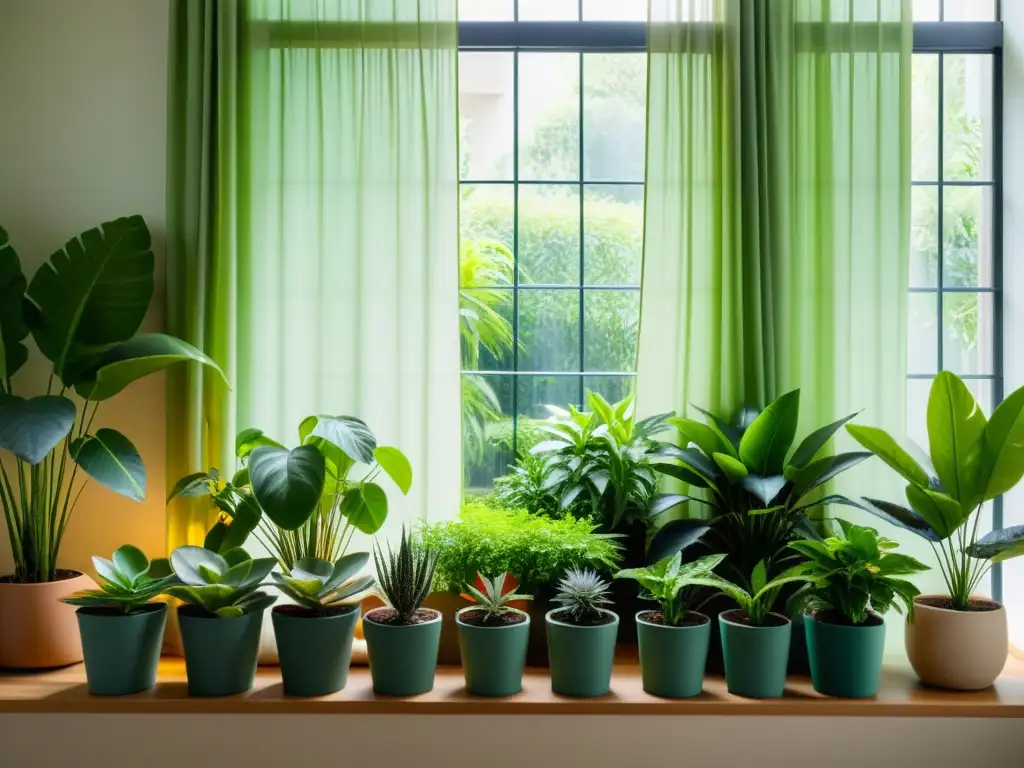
x=962 y=650
x=36 y=629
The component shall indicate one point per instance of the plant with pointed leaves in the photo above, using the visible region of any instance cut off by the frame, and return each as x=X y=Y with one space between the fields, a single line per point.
x=583 y=594
x=758 y=489
x=758 y=602
x=222 y=586
x=405 y=577
x=83 y=309
x=493 y=597
x=129 y=581
x=672 y=583
x=973 y=460
x=323 y=587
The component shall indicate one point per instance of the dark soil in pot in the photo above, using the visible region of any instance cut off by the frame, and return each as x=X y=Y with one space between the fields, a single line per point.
x=480 y=618
x=975 y=604
x=61 y=574
x=599 y=620
x=691 y=619
x=388 y=617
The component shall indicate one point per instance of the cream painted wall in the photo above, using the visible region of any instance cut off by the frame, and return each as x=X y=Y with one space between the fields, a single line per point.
x=83 y=88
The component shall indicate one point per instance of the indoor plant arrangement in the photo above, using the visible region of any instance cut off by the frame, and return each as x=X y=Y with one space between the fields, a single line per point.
x=402 y=638
x=314 y=636
x=221 y=617
x=957 y=640
x=493 y=637
x=581 y=635
x=855 y=580
x=674 y=638
x=121 y=628
x=83 y=308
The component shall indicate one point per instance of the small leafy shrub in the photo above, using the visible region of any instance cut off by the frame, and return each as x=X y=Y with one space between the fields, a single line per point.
x=757 y=604
x=492 y=598
x=129 y=581
x=672 y=583
x=405 y=576
x=223 y=586
x=323 y=587
x=583 y=595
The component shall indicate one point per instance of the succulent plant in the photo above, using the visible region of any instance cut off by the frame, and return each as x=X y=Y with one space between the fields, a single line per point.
x=404 y=577
x=226 y=586
x=493 y=596
x=129 y=581
x=325 y=587
x=583 y=593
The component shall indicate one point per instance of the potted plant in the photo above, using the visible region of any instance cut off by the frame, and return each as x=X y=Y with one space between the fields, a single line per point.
x=221 y=617
x=314 y=636
x=121 y=628
x=673 y=640
x=402 y=638
x=83 y=308
x=493 y=637
x=755 y=641
x=957 y=640
x=855 y=581
x=581 y=635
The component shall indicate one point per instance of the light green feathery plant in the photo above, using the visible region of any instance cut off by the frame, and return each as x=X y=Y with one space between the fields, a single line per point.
x=129 y=581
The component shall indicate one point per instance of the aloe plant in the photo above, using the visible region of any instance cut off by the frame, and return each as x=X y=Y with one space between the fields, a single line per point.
x=83 y=309
x=493 y=596
x=129 y=581
x=405 y=576
x=323 y=587
x=226 y=586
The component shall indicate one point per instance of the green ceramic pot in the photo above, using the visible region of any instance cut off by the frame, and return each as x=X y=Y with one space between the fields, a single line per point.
x=846 y=661
x=581 y=657
x=755 y=657
x=314 y=650
x=402 y=658
x=220 y=654
x=493 y=658
x=672 y=659
x=121 y=650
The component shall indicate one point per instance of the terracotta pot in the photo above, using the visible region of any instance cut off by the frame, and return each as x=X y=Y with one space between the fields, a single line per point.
x=36 y=629
x=962 y=650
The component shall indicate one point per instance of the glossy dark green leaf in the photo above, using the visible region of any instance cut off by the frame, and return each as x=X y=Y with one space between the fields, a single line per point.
x=187 y=560
x=109 y=458
x=902 y=517
x=243 y=522
x=373 y=511
x=131 y=561
x=767 y=440
x=13 y=352
x=814 y=442
x=666 y=501
x=680 y=473
x=196 y=484
x=942 y=512
x=287 y=484
x=733 y=468
x=819 y=472
x=764 y=488
x=349 y=434
x=676 y=536
x=215 y=537
x=1003 y=447
x=31 y=428
x=888 y=450
x=999 y=545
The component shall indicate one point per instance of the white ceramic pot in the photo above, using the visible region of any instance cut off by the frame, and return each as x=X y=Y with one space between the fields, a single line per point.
x=962 y=650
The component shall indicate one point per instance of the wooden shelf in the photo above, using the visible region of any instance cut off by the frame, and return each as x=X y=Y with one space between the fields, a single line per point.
x=64 y=691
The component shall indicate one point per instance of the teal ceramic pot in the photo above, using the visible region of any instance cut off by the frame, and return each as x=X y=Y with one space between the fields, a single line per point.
x=403 y=658
x=220 y=654
x=314 y=650
x=493 y=658
x=845 y=660
x=121 y=650
x=581 y=658
x=672 y=659
x=755 y=657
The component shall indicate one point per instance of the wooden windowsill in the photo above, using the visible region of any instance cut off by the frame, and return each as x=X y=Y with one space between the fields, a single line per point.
x=64 y=691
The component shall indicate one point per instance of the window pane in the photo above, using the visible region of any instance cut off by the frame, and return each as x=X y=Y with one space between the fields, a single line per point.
x=538 y=392
x=613 y=233
x=971 y=10
x=485 y=324
x=968 y=326
x=486 y=429
x=486 y=10
x=614 y=116
x=615 y=10
x=549 y=10
x=549 y=234
x=917 y=411
x=924 y=118
x=926 y=10
x=486 y=214
x=486 y=115
x=549 y=116
x=611 y=388
x=967 y=117
x=967 y=236
x=549 y=330
x=922 y=338
x=924 y=237
x=610 y=323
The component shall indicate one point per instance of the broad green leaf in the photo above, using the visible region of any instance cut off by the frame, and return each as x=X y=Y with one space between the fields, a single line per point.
x=764 y=488
x=345 y=568
x=287 y=484
x=396 y=465
x=819 y=472
x=13 y=352
x=235 y=556
x=675 y=536
x=999 y=545
x=31 y=428
x=349 y=434
x=131 y=561
x=312 y=568
x=733 y=468
x=880 y=443
x=250 y=439
x=215 y=537
x=766 y=442
x=261 y=568
x=733 y=434
x=899 y=516
x=942 y=512
x=570 y=496
x=186 y=561
x=160 y=568
x=664 y=502
x=137 y=358
x=815 y=441
x=91 y=295
x=207 y=574
x=685 y=474
x=1002 y=464
x=243 y=522
x=895 y=564
x=196 y=484
x=109 y=458
x=236 y=574
x=955 y=428
x=372 y=513
x=307 y=587
x=709 y=440
x=241 y=478
x=758 y=578
x=107 y=570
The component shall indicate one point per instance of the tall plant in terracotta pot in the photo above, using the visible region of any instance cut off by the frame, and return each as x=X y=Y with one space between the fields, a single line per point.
x=957 y=640
x=83 y=309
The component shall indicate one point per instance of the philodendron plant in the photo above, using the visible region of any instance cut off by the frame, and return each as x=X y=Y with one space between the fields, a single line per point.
x=326 y=588
x=758 y=601
x=973 y=460
x=757 y=487
x=83 y=309
x=130 y=581
x=227 y=587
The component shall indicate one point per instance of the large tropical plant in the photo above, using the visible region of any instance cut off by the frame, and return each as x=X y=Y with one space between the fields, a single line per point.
x=83 y=309
x=756 y=488
x=973 y=460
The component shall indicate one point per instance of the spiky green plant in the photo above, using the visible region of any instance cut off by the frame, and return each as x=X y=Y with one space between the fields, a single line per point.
x=324 y=587
x=491 y=595
x=129 y=581
x=405 y=577
x=583 y=594
x=226 y=586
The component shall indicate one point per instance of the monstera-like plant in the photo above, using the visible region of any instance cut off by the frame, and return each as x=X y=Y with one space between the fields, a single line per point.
x=757 y=488
x=83 y=308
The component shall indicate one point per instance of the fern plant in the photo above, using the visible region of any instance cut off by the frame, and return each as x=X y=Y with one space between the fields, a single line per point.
x=583 y=595
x=323 y=587
x=129 y=581
x=493 y=596
x=405 y=577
